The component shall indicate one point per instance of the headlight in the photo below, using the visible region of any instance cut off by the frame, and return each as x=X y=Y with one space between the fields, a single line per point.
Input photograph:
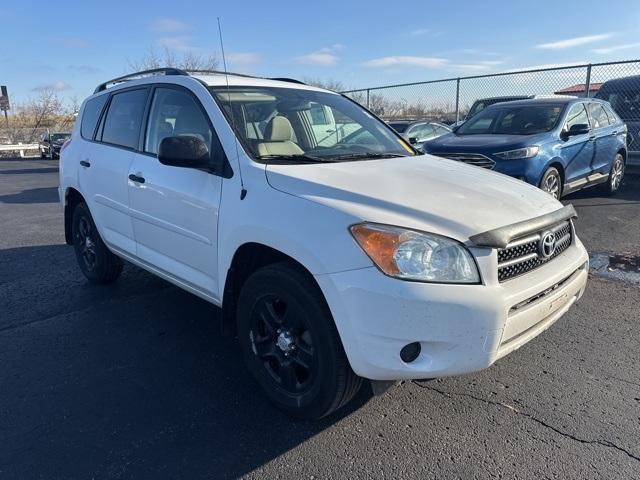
x=519 y=153
x=412 y=255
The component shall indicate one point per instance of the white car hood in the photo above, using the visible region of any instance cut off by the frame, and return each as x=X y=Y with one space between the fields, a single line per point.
x=424 y=192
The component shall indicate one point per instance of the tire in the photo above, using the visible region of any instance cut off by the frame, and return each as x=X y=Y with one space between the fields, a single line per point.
x=290 y=343
x=96 y=261
x=616 y=174
x=551 y=182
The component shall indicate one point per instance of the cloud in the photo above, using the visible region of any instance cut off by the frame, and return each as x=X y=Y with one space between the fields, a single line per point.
x=574 y=42
x=75 y=42
x=179 y=43
x=169 y=25
x=84 y=69
x=481 y=66
x=58 y=86
x=615 y=48
x=404 y=60
x=326 y=56
x=243 y=58
x=419 y=31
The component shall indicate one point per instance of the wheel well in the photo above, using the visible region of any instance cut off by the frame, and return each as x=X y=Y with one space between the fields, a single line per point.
x=558 y=166
x=623 y=152
x=73 y=198
x=247 y=259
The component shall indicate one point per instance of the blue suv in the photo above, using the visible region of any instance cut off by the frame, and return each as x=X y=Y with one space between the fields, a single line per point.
x=560 y=144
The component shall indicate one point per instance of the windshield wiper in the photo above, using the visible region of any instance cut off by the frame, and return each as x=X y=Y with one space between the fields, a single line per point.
x=367 y=156
x=297 y=158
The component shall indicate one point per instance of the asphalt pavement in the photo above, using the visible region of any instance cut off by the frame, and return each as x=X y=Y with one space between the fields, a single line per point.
x=134 y=380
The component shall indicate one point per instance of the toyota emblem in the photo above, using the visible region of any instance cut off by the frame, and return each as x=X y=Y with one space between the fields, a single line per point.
x=547 y=244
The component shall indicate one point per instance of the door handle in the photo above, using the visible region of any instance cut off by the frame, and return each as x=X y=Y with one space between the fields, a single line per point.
x=136 y=178
x=85 y=163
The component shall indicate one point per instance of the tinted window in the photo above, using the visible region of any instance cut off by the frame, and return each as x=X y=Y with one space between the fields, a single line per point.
x=122 y=125
x=175 y=113
x=90 y=116
x=513 y=120
x=399 y=126
x=577 y=115
x=626 y=103
x=612 y=116
x=598 y=115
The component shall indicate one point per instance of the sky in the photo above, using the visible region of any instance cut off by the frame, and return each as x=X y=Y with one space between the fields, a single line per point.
x=72 y=46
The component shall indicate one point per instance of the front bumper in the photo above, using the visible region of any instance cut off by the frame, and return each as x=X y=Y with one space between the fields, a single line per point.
x=461 y=328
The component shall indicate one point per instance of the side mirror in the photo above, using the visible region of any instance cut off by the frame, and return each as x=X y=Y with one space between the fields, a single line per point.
x=187 y=152
x=413 y=140
x=577 y=129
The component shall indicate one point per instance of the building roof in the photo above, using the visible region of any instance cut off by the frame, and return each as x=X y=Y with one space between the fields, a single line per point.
x=579 y=88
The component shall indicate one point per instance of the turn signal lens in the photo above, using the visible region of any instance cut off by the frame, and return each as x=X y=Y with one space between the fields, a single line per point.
x=380 y=245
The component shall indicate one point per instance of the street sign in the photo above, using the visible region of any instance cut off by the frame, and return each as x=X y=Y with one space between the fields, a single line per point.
x=4 y=98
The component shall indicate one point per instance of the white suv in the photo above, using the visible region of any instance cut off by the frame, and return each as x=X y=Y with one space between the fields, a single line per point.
x=337 y=254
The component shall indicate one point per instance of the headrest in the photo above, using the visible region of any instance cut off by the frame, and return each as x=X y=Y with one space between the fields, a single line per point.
x=278 y=130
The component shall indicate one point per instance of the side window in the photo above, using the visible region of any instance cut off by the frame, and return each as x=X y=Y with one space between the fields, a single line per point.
x=318 y=115
x=598 y=115
x=122 y=123
x=90 y=116
x=577 y=115
x=175 y=113
x=612 y=116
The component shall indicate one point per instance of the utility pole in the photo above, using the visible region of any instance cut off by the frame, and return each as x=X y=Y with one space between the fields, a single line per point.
x=4 y=103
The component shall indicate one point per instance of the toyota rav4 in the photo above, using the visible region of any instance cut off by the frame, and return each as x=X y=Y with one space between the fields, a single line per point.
x=338 y=255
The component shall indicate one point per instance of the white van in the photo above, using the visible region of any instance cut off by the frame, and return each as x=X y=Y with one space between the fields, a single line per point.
x=335 y=258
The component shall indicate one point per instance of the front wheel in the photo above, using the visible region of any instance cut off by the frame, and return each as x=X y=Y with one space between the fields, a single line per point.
x=290 y=343
x=96 y=261
x=616 y=174
x=552 y=183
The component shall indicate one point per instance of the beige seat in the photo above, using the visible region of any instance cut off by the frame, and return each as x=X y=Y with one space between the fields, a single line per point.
x=278 y=139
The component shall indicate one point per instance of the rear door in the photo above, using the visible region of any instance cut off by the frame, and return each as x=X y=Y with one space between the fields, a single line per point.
x=175 y=210
x=605 y=138
x=577 y=151
x=105 y=162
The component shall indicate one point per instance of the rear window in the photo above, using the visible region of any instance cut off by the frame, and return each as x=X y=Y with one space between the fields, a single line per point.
x=122 y=124
x=90 y=116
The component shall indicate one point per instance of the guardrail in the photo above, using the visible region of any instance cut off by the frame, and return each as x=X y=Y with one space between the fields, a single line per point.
x=21 y=147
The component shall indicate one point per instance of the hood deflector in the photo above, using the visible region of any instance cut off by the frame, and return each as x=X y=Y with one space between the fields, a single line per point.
x=500 y=237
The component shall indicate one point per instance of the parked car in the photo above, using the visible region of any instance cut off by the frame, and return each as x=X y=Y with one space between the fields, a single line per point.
x=50 y=144
x=333 y=264
x=560 y=144
x=483 y=103
x=624 y=96
x=419 y=131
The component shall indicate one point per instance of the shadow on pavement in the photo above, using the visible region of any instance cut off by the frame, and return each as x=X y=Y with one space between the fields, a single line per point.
x=34 y=195
x=128 y=380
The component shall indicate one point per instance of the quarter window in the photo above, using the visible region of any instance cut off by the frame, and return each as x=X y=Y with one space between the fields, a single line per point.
x=577 y=115
x=122 y=124
x=175 y=113
x=90 y=116
x=598 y=115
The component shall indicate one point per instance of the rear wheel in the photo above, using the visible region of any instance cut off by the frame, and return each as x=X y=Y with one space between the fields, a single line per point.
x=616 y=174
x=552 y=182
x=290 y=343
x=96 y=261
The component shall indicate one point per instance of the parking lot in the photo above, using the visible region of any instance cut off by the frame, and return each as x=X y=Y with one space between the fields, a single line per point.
x=134 y=380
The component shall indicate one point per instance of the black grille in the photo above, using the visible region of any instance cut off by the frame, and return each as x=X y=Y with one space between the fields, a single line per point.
x=522 y=255
x=476 y=159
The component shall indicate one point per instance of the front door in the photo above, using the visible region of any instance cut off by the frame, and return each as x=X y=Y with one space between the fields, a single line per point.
x=577 y=151
x=175 y=210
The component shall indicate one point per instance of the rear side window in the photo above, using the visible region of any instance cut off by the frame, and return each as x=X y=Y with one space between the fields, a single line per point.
x=124 y=116
x=598 y=115
x=90 y=116
x=612 y=116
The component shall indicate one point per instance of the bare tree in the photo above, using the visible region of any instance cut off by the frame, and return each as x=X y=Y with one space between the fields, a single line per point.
x=169 y=58
x=328 y=84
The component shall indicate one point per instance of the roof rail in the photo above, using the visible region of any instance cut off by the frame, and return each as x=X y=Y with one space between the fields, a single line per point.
x=286 y=79
x=153 y=71
x=221 y=72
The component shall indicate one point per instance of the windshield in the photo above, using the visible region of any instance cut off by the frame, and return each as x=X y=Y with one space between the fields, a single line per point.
x=513 y=120
x=626 y=103
x=56 y=137
x=290 y=125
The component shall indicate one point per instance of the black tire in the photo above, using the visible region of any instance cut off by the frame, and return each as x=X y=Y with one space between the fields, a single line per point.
x=551 y=182
x=616 y=174
x=96 y=261
x=290 y=343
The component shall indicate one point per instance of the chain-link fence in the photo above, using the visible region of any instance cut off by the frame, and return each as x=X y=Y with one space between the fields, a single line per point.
x=450 y=99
